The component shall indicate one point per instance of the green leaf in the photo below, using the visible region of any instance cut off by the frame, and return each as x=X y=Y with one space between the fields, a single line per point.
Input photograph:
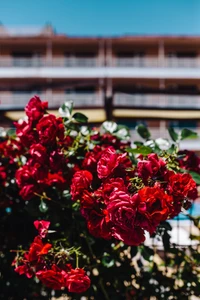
x=140 y=150
x=107 y=260
x=11 y=132
x=147 y=252
x=79 y=117
x=195 y=176
x=188 y=134
x=143 y=131
x=173 y=134
x=43 y=207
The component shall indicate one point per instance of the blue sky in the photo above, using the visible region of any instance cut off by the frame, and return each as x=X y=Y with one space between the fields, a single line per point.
x=105 y=17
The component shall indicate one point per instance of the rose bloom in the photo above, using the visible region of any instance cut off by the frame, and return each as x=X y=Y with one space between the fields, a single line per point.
x=150 y=167
x=38 y=153
x=26 y=134
x=80 y=182
x=37 y=248
x=56 y=160
x=98 y=224
x=111 y=185
x=122 y=210
x=30 y=179
x=190 y=161
x=153 y=208
x=25 y=269
x=91 y=159
x=109 y=161
x=42 y=227
x=182 y=185
x=77 y=281
x=54 y=278
x=35 y=109
x=50 y=128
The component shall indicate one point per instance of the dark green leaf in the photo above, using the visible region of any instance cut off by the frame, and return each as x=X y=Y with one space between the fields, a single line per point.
x=195 y=176
x=107 y=261
x=143 y=131
x=43 y=207
x=147 y=252
x=144 y=150
x=188 y=134
x=134 y=251
x=173 y=134
x=81 y=118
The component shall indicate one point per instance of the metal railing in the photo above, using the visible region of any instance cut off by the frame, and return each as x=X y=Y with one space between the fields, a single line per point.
x=19 y=101
x=157 y=100
x=89 y=62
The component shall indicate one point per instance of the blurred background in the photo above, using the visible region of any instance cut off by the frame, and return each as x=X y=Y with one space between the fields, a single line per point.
x=129 y=61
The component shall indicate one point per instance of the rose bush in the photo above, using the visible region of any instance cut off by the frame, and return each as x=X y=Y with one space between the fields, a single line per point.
x=100 y=192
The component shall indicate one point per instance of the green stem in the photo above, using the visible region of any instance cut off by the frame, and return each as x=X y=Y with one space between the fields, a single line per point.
x=103 y=289
x=77 y=260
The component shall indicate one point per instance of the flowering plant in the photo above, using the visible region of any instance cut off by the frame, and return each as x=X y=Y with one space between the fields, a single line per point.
x=100 y=191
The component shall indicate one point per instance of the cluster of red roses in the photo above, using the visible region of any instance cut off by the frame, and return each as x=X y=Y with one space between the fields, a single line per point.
x=123 y=201
x=43 y=136
x=50 y=267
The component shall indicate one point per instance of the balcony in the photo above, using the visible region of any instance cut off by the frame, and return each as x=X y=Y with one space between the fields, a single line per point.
x=157 y=101
x=95 y=67
x=19 y=100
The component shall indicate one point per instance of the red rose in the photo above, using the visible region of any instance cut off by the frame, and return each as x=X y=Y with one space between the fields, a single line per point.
x=38 y=153
x=109 y=161
x=37 y=248
x=111 y=185
x=91 y=159
x=28 y=191
x=25 y=269
x=42 y=227
x=182 y=185
x=54 y=279
x=50 y=128
x=122 y=213
x=153 y=208
x=77 y=281
x=80 y=182
x=151 y=167
x=98 y=225
x=56 y=179
x=25 y=132
x=189 y=161
x=87 y=200
x=30 y=179
x=35 y=109
x=56 y=160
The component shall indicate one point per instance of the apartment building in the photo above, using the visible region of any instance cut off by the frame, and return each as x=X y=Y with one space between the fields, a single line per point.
x=131 y=79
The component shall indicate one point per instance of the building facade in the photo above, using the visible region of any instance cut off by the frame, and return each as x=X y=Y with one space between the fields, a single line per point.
x=131 y=79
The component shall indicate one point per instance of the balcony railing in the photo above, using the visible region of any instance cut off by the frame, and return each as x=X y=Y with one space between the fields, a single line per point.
x=89 y=62
x=157 y=101
x=155 y=62
x=55 y=100
x=40 y=62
